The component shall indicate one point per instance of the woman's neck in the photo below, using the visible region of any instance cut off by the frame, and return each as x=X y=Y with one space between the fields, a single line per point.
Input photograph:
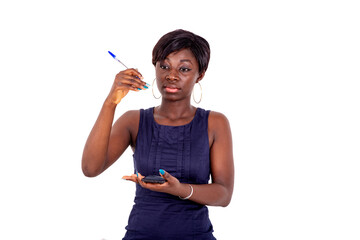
x=175 y=110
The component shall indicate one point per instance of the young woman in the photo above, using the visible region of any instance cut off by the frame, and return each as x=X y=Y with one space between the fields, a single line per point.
x=183 y=144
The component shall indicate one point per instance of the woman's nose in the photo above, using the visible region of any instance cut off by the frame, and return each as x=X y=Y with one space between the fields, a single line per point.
x=172 y=76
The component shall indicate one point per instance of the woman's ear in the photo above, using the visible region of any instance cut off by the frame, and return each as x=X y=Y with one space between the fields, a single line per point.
x=201 y=76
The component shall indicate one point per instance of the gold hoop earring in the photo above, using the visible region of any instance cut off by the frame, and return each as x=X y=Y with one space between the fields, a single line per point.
x=152 y=88
x=200 y=94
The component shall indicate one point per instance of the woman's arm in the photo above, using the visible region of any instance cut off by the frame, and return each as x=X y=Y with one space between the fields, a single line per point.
x=96 y=147
x=105 y=143
x=222 y=164
x=219 y=192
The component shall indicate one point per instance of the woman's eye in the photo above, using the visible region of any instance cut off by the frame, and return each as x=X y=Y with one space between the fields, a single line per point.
x=184 y=69
x=164 y=67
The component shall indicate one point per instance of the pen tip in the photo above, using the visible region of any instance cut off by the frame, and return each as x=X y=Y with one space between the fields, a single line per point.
x=111 y=54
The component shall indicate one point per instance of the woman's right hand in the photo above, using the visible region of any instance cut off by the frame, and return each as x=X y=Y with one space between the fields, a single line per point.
x=129 y=79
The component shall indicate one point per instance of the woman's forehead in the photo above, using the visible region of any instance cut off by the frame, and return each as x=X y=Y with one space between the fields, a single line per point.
x=182 y=55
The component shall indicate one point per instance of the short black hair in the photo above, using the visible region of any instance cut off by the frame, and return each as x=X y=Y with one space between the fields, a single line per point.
x=182 y=39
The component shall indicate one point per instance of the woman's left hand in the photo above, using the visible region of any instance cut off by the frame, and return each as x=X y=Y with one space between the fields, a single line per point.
x=171 y=186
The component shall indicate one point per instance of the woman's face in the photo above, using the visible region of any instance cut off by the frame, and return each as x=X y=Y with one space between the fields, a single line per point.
x=177 y=75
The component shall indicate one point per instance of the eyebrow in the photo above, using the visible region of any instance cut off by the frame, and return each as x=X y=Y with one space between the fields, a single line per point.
x=185 y=60
x=182 y=60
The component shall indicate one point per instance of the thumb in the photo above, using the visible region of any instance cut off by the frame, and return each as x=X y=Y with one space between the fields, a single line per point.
x=165 y=174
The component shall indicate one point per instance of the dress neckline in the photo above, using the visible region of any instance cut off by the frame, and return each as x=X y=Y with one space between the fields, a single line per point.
x=173 y=126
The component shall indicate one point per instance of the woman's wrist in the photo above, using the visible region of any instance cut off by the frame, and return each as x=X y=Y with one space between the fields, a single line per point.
x=109 y=103
x=186 y=192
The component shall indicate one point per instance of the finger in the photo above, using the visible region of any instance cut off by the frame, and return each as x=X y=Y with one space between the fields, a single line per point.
x=133 y=82
x=132 y=178
x=130 y=73
x=129 y=177
x=170 y=179
x=127 y=85
x=138 y=75
x=124 y=87
x=166 y=175
x=139 y=179
x=134 y=72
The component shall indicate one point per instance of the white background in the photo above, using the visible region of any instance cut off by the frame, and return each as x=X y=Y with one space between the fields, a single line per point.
x=285 y=73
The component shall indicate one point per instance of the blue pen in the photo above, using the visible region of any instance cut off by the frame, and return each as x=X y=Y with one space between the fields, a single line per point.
x=113 y=55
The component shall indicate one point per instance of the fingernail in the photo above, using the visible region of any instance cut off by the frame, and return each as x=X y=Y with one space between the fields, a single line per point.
x=147 y=84
x=161 y=171
x=137 y=174
x=139 y=89
x=145 y=87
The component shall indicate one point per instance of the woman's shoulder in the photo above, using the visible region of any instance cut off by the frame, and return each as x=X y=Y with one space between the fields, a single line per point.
x=217 y=122
x=128 y=120
x=132 y=117
x=217 y=117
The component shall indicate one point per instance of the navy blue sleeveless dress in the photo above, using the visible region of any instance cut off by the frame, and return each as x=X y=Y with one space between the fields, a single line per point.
x=183 y=151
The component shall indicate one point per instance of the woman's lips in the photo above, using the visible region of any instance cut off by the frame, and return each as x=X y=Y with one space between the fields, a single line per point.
x=171 y=89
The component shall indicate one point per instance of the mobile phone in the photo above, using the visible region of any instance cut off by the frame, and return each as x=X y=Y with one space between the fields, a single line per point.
x=153 y=179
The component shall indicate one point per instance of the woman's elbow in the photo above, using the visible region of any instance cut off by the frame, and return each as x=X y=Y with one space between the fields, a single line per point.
x=89 y=171
x=222 y=203
x=226 y=204
x=225 y=200
x=227 y=197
